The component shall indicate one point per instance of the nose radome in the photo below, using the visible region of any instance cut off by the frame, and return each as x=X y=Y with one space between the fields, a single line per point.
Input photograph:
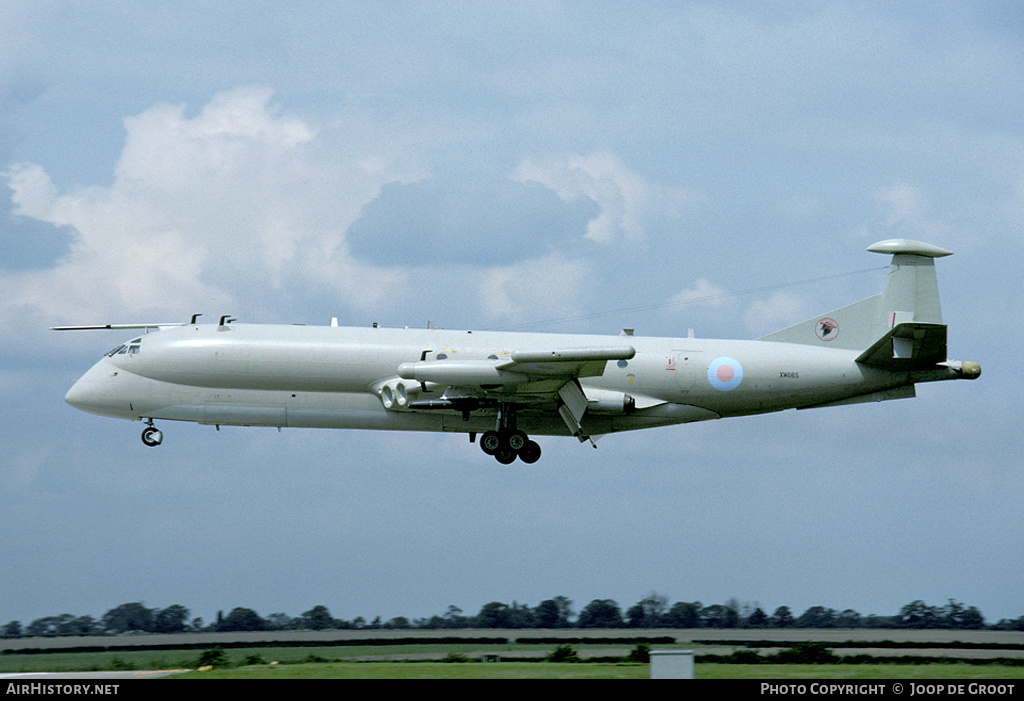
x=75 y=395
x=84 y=395
x=95 y=393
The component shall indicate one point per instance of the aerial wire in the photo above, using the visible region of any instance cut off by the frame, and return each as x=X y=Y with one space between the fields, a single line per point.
x=692 y=300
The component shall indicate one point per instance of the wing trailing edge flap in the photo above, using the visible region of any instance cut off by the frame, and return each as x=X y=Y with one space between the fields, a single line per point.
x=907 y=346
x=573 y=406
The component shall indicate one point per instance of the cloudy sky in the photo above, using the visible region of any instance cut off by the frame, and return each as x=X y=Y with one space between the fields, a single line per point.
x=550 y=166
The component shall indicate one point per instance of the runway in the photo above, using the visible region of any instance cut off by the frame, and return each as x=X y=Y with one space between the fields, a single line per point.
x=31 y=677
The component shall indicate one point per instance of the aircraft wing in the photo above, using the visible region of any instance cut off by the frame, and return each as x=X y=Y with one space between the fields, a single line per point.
x=539 y=378
x=518 y=369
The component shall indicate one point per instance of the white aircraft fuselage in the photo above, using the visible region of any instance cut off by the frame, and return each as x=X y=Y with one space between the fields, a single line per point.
x=505 y=384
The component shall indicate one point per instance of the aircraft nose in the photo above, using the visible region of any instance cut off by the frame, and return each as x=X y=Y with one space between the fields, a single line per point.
x=85 y=395
x=80 y=395
x=97 y=392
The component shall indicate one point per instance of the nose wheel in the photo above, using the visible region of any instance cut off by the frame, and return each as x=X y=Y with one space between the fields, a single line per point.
x=152 y=436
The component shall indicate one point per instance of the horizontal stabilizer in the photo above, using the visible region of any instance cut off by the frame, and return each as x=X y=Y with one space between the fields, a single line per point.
x=908 y=346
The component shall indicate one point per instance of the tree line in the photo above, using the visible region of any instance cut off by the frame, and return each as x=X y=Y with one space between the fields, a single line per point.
x=653 y=611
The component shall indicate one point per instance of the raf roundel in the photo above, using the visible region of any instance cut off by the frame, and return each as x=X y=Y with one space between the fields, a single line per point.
x=725 y=374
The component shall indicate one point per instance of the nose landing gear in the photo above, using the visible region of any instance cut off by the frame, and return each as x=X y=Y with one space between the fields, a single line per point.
x=151 y=435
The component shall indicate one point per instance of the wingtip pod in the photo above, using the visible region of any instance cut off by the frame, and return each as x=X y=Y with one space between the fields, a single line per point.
x=908 y=246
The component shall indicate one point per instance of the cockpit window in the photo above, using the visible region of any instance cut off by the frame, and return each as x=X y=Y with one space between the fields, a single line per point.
x=133 y=346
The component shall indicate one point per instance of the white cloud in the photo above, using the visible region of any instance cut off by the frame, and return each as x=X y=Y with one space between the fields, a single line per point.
x=761 y=316
x=241 y=208
x=530 y=290
x=237 y=133
x=906 y=210
x=33 y=192
x=627 y=202
x=119 y=259
x=777 y=311
x=903 y=201
x=703 y=293
x=204 y=209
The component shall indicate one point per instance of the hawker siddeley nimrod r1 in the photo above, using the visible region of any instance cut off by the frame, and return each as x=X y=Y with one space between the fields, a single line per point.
x=507 y=386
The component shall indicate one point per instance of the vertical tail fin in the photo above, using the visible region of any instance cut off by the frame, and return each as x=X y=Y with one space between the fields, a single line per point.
x=911 y=287
x=911 y=294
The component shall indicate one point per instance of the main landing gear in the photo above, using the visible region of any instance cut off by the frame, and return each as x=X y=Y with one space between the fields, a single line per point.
x=151 y=435
x=506 y=446
x=506 y=442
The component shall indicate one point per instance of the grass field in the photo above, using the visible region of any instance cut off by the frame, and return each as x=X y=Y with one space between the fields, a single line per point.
x=377 y=656
x=323 y=663
x=591 y=670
